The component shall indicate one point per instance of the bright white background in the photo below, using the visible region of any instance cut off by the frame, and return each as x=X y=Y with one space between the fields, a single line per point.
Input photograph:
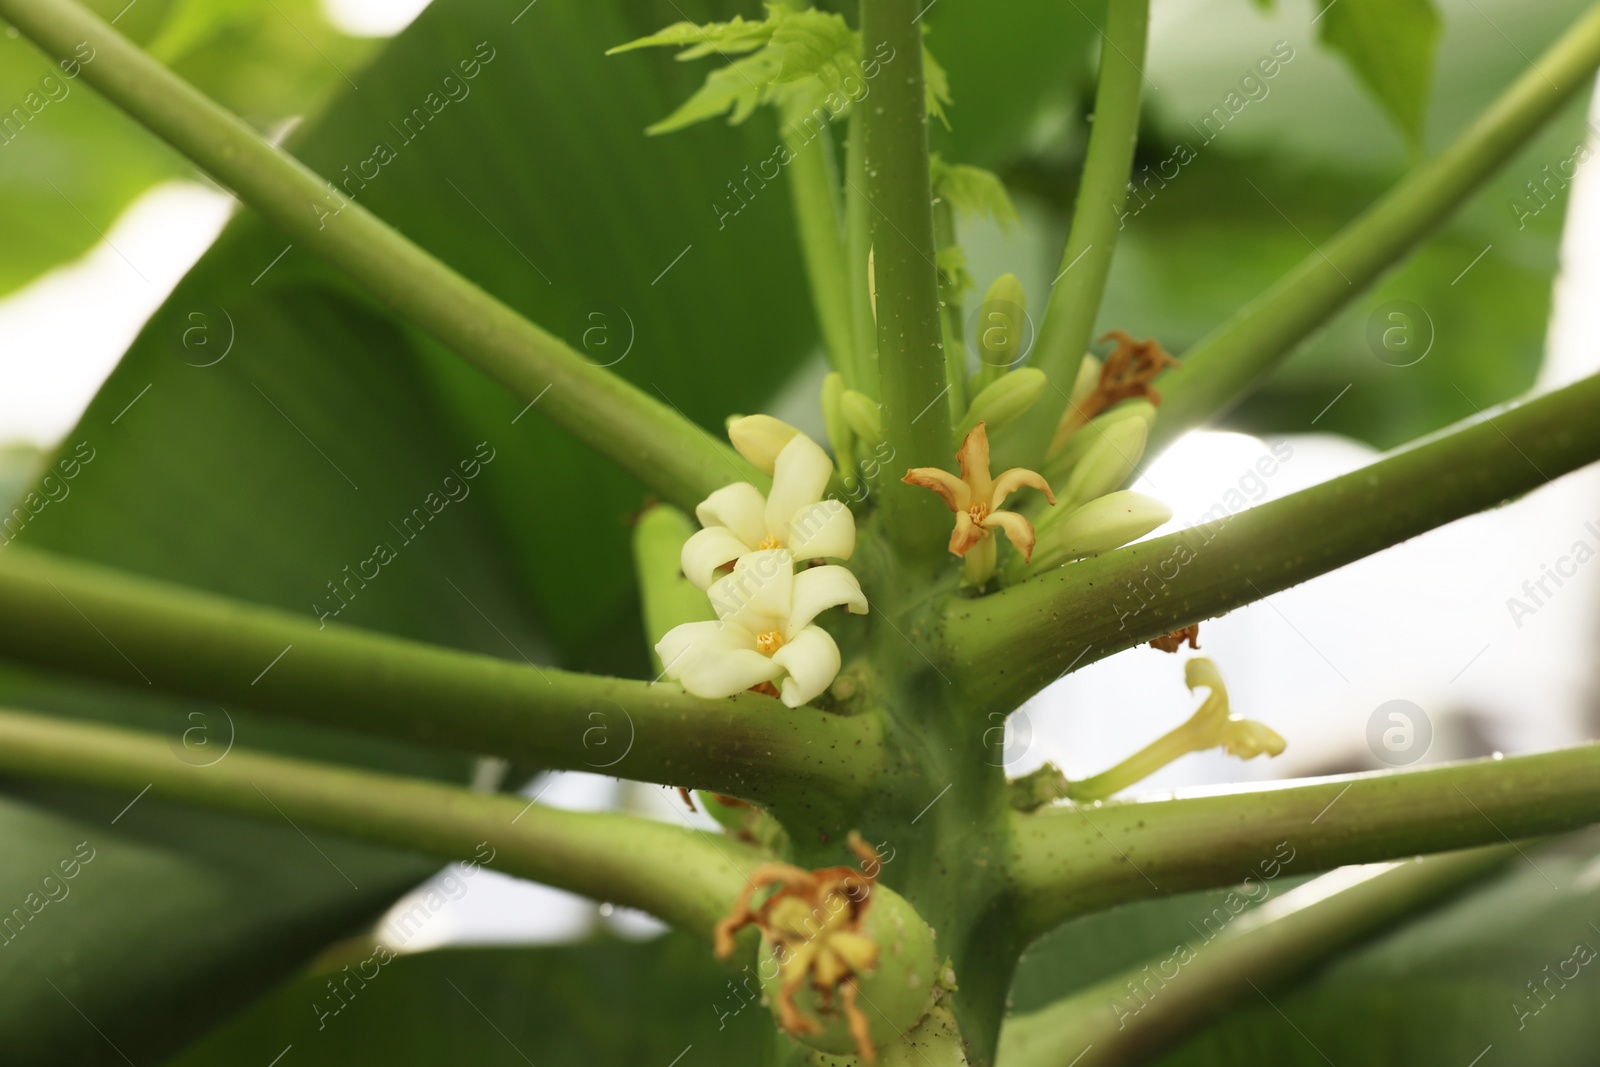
x=1426 y=621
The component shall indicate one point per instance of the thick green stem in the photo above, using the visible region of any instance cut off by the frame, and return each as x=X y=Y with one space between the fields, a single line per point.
x=1010 y=645
x=88 y=620
x=1096 y=220
x=646 y=437
x=1071 y=860
x=1127 y=1018
x=685 y=877
x=1223 y=366
x=814 y=191
x=911 y=365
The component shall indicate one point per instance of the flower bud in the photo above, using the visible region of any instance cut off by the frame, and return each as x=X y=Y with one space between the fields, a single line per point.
x=1107 y=464
x=840 y=436
x=1079 y=402
x=1088 y=378
x=1004 y=400
x=1060 y=465
x=1004 y=320
x=1102 y=524
x=759 y=438
x=1002 y=324
x=864 y=417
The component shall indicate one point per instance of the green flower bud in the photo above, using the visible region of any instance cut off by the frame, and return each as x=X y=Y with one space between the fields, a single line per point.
x=1004 y=400
x=895 y=993
x=864 y=416
x=1102 y=524
x=840 y=435
x=1059 y=466
x=1088 y=378
x=1002 y=325
x=1107 y=464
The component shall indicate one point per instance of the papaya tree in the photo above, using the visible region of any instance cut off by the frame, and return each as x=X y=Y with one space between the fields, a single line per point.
x=467 y=454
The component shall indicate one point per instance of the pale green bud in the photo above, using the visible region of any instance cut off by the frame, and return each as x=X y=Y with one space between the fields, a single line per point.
x=1088 y=378
x=1058 y=467
x=1078 y=401
x=1110 y=459
x=1004 y=400
x=1102 y=524
x=759 y=438
x=840 y=436
x=864 y=417
x=1005 y=317
x=1002 y=327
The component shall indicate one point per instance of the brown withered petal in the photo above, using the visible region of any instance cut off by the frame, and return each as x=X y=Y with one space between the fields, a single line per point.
x=804 y=951
x=1127 y=373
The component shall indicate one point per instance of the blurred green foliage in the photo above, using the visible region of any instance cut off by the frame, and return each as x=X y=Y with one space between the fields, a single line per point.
x=70 y=161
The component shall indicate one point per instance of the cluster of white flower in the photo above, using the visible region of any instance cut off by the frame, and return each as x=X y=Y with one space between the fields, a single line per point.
x=764 y=633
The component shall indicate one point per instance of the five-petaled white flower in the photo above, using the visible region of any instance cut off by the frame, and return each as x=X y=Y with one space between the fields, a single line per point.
x=765 y=630
x=739 y=520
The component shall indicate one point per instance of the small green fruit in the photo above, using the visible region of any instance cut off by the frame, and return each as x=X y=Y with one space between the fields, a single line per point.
x=893 y=995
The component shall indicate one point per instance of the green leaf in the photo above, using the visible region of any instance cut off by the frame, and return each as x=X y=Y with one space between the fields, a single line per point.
x=275 y=470
x=808 y=55
x=1439 y=991
x=724 y=38
x=232 y=909
x=70 y=162
x=1433 y=992
x=816 y=44
x=604 y=1002
x=1043 y=49
x=1208 y=240
x=1093 y=948
x=1220 y=210
x=1391 y=45
x=973 y=191
x=936 y=87
x=735 y=90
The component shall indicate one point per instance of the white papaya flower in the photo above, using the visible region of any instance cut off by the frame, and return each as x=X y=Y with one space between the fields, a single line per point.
x=739 y=520
x=764 y=631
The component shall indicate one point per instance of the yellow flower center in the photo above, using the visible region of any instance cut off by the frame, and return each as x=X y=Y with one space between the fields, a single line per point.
x=769 y=642
x=769 y=542
x=979 y=511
